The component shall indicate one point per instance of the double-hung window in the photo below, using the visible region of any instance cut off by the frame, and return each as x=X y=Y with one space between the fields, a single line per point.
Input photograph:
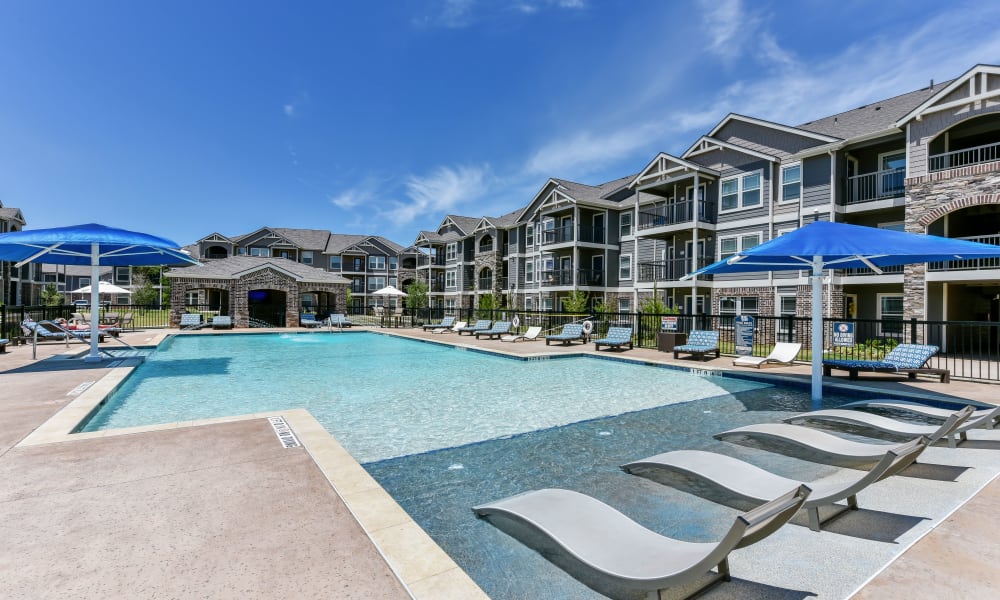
x=741 y=192
x=450 y=279
x=376 y=263
x=890 y=314
x=791 y=183
x=529 y=236
x=529 y=271
x=307 y=257
x=451 y=251
x=393 y=263
x=625 y=224
x=738 y=305
x=335 y=263
x=729 y=246
x=625 y=267
x=376 y=283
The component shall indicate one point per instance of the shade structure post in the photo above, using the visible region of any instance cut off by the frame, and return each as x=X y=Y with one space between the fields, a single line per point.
x=817 y=329
x=95 y=304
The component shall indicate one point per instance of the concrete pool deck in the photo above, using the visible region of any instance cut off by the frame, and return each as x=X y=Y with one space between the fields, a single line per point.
x=224 y=510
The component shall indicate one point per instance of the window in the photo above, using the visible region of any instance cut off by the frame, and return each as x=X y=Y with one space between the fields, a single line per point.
x=893 y=226
x=451 y=251
x=624 y=305
x=786 y=324
x=121 y=274
x=450 y=279
x=260 y=252
x=376 y=263
x=625 y=267
x=529 y=304
x=191 y=298
x=729 y=246
x=393 y=281
x=376 y=283
x=741 y=192
x=738 y=305
x=449 y=305
x=625 y=224
x=393 y=263
x=529 y=236
x=307 y=257
x=890 y=314
x=529 y=272
x=335 y=263
x=546 y=303
x=791 y=183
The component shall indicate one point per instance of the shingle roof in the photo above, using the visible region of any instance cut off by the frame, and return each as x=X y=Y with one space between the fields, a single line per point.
x=467 y=224
x=873 y=117
x=10 y=213
x=339 y=241
x=307 y=239
x=598 y=194
x=228 y=268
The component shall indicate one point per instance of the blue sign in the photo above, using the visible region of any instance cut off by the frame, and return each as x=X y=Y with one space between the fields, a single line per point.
x=744 y=335
x=843 y=334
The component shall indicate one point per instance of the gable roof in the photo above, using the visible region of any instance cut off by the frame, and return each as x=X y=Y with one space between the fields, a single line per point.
x=931 y=103
x=659 y=169
x=771 y=125
x=234 y=267
x=12 y=214
x=710 y=144
x=306 y=239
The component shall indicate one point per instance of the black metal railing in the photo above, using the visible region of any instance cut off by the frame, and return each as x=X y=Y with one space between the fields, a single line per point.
x=879 y=185
x=556 y=277
x=675 y=213
x=590 y=277
x=591 y=235
x=435 y=261
x=963 y=158
x=559 y=235
x=669 y=270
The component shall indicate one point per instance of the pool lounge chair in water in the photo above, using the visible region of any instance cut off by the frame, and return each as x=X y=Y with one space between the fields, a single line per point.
x=481 y=325
x=617 y=337
x=528 y=336
x=750 y=482
x=499 y=328
x=932 y=412
x=904 y=358
x=456 y=328
x=784 y=353
x=222 y=322
x=444 y=324
x=609 y=545
x=571 y=332
x=3 y=345
x=952 y=429
x=813 y=444
x=701 y=344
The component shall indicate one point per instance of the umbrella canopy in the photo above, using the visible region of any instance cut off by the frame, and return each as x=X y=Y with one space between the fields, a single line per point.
x=102 y=288
x=94 y=245
x=824 y=245
x=389 y=290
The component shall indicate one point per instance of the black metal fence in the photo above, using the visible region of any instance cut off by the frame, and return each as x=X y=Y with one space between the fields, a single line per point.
x=126 y=316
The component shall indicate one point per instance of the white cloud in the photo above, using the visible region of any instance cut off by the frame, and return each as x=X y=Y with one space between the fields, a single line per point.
x=440 y=192
x=289 y=110
x=366 y=192
x=589 y=151
x=727 y=26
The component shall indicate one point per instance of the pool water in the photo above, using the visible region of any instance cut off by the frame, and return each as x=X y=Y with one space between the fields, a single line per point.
x=382 y=396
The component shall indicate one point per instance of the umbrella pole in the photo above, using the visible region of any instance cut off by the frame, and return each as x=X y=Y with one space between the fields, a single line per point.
x=95 y=305
x=817 y=330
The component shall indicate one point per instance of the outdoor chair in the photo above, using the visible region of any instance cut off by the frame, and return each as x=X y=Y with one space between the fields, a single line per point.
x=749 y=482
x=309 y=320
x=616 y=337
x=499 y=328
x=609 y=545
x=339 y=320
x=3 y=345
x=126 y=321
x=980 y=417
x=571 y=332
x=191 y=321
x=700 y=343
x=456 y=328
x=31 y=328
x=528 y=336
x=904 y=358
x=784 y=353
x=481 y=325
x=222 y=322
x=950 y=430
x=444 y=324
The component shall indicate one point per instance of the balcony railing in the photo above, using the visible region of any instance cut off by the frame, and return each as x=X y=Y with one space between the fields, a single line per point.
x=895 y=269
x=436 y=261
x=668 y=270
x=591 y=235
x=963 y=158
x=559 y=235
x=675 y=213
x=484 y=248
x=974 y=264
x=556 y=277
x=879 y=185
x=590 y=277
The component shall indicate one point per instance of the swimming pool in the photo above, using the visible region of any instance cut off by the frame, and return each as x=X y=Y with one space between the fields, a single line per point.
x=383 y=396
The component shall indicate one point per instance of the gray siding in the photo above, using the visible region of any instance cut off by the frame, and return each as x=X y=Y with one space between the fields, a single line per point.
x=816 y=181
x=765 y=139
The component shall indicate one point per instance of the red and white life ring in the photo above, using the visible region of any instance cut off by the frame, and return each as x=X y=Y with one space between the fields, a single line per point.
x=516 y=322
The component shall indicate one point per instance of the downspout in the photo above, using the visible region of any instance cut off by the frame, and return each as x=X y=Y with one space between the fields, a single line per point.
x=694 y=245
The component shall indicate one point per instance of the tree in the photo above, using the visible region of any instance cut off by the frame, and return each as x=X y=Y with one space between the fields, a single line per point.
x=143 y=292
x=416 y=295
x=487 y=303
x=576 y=302
x=51 y=296
x=153 y=276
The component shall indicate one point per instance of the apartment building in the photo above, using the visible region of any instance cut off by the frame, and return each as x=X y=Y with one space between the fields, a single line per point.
x=17 y=285
x=925 y=161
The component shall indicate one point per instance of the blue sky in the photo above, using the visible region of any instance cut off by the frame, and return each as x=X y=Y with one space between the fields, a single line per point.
x=183 y=118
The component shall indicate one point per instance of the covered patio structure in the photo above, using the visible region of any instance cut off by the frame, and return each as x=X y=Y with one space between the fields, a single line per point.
x=265 y=291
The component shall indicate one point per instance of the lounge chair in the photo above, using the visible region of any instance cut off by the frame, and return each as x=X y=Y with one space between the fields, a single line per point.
x=610 y=545
x=615 y=338
x=481 y=325
x=980 y=417
x=499 y=328
x=309 y=320
x=126 y=321
x=904 y=358
x=528 y=336
x=444 y=324
x=31 y=328
x=784 y=353
x=752 y=483
x=571 y=332
x=222 y=322
x=457 y=327
x=816 y=444
x=338 y=320
x=192 y=321
x=3 y=345
x=951 y=429
x=700 y=343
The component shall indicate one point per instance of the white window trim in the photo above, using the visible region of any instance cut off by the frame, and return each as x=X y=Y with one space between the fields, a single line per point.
x=621 y=225
x=889 y=224
x=621 y=260
x=739 y=192
x=781 y=183
x=739 y=237
x=878 y=311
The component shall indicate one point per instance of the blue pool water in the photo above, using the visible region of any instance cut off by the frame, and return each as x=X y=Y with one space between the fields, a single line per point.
x=383 y=396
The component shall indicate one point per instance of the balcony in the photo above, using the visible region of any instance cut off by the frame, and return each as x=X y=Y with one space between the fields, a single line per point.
x=485 y=283
x=963 y=158
x=880 y=185
x=668 y=270
x=675 y=213
x=893 y=270
x=556 y=277
x=590 y=277
x=432 y=261
x=974 y=264
x=559 y=235
x=486 y=248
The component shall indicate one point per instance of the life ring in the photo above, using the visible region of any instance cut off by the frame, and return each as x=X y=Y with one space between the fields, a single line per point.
x=516 y=322
x=588 y=326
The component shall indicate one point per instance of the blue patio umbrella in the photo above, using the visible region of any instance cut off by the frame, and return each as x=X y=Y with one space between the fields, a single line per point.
x=825 y=245
x=94 y=245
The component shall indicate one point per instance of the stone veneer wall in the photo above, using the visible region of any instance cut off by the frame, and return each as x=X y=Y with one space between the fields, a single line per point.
x=492 y=260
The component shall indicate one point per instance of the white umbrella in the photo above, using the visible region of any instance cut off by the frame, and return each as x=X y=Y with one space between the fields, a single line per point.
x=102 y=288
x=389 y=290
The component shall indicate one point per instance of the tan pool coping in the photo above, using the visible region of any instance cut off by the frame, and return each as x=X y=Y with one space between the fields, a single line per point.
x=413 y=557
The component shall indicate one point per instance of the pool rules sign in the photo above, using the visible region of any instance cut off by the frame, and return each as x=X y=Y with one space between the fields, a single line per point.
x=743 y=325
x=843 y=334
